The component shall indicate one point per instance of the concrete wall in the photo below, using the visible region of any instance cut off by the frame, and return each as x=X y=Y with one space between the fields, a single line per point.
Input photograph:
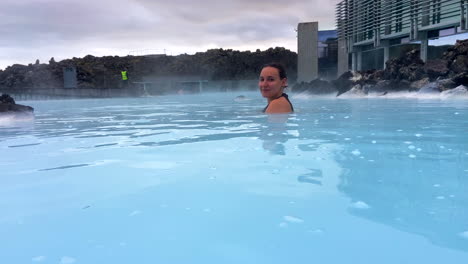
x=343 y=57
x=59 y=93
x=307 y=50
x=137 y=90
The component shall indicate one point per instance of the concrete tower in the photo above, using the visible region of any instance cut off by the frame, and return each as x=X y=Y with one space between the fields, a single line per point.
x=307 y=51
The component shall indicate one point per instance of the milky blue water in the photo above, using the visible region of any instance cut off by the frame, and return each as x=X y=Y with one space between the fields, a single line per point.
x=209 y=179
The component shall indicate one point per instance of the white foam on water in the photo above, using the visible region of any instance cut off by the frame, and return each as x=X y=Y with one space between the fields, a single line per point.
x=154 y=165
x=315 y=231
x=464 y=234
x=360 y=205
x=412 y=156
x=356 y=152
x=67 y=260
x=418 y=135
x=460 y=92
x=38 y=258
x=293 y=219
x=136 y=212
x=294 y=133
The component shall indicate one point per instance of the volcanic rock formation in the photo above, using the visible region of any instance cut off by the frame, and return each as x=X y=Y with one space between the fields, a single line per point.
x=7 y=104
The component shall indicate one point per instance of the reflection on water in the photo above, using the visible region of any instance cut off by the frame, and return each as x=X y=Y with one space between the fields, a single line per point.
x=427 y=197
x=410 y=172
x=314 y=177
x=274 y=133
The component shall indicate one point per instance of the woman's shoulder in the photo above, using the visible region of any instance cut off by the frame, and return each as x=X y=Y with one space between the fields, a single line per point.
x=279 y=105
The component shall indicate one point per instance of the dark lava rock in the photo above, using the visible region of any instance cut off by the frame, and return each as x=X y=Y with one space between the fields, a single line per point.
x=446 y=84
x=344 y=83
x=461 y=79
x=433 y=87
x=436 y=68
x=357 y=90
x=373 y=76
x=6 y=99
x=7 y=104
x=457 y=57
x=382 y=86
x=459 y=64
x=417 y=85
x=408 y=67
x=316 y=86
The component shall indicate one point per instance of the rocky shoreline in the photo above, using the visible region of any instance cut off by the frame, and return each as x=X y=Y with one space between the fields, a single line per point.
x=106 y=72
x=406 y=73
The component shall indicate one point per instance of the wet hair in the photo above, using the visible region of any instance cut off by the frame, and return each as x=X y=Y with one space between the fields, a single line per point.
x=279 y=67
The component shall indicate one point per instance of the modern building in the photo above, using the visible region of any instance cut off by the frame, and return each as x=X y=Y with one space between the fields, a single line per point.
x=367 y=29
x=327 y=54
x=317 y=52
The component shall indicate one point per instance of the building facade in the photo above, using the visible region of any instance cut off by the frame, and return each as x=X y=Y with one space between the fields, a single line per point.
x=366 y=26
x=317 y=52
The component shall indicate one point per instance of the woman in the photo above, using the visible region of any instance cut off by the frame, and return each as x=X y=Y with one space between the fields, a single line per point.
x=272 y=82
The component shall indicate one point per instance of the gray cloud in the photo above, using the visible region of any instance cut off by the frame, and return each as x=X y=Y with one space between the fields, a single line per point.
x=42 y=29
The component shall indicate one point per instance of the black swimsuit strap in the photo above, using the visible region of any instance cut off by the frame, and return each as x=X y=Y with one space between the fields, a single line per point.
x=287 y=99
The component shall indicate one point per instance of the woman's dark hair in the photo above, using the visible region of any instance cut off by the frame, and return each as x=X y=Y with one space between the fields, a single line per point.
x=279 y=67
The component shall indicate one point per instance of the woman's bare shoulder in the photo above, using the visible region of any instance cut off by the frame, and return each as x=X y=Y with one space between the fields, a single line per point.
x=280 y=105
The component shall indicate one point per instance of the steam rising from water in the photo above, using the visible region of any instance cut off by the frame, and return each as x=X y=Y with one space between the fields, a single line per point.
x=15 y=120
x=392 y=95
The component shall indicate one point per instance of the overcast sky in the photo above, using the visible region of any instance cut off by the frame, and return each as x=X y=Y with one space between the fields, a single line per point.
x=41 y=29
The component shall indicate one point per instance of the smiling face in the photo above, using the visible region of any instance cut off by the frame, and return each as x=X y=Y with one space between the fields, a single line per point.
x=270 y=84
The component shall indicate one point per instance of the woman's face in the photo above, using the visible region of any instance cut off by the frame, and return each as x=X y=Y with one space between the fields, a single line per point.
x=270 y=84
